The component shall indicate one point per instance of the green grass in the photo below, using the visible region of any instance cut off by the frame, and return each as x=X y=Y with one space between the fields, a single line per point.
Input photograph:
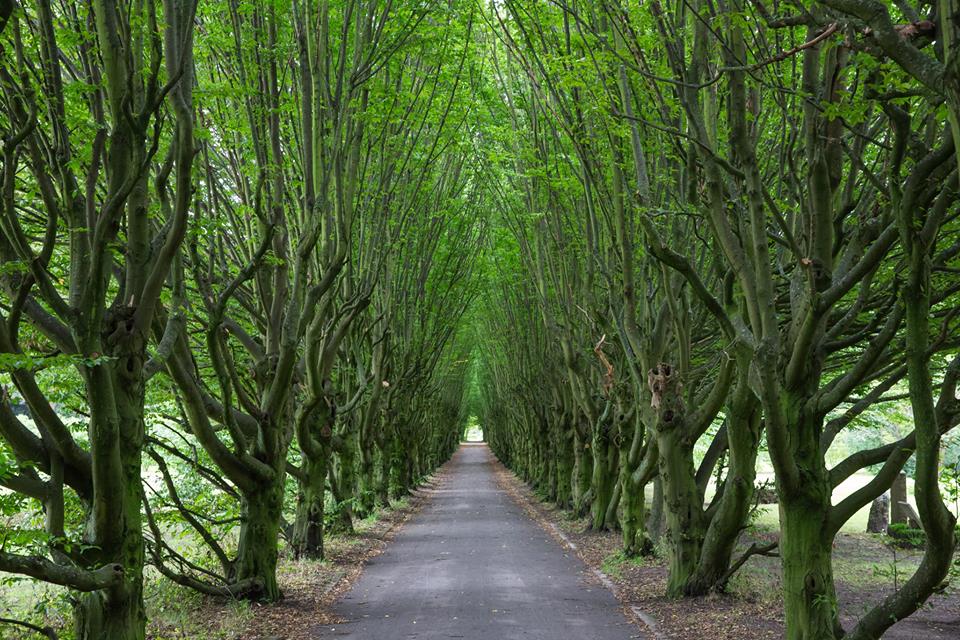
x=29 y=600
x=876 y=572
x=613 y=564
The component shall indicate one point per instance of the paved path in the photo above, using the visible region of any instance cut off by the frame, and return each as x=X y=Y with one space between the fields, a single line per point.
x=472 y=565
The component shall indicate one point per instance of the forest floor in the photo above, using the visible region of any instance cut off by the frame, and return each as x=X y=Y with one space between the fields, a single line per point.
x=866 y=569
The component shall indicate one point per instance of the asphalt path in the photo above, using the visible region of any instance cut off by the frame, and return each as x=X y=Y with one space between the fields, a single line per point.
x=473 y=565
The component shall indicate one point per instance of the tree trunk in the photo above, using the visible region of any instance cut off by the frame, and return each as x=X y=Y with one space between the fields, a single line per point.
x=563 y=450
x=367 y=497
x=119 y=612
x=116 y=613
x=809 y=597
x=633 y=517
x=346 y=470
x=729 y=519
x=655 y=521
x=414 y=468
x=383 y=476
x=635 y=470
x=602 y=480
x=307 y=539
x=115 y=533
x=582 y=472
x=683 y=504
x=684 y=512
x=406 y=468
x=548 y=455
x=259 y=531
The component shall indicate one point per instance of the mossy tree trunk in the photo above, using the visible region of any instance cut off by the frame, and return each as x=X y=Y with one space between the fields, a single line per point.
x=563 y=450
x=638 y=464
x=684 y=514
x=308 y=526
x=604 y=475
x=729 y=514
x=582 y=473
x=806 y=548
x=258 y=548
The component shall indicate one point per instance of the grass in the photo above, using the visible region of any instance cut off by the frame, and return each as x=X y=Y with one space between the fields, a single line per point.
x=613 y=564
x=180 y=620
x=29 y=600
x=757 y=582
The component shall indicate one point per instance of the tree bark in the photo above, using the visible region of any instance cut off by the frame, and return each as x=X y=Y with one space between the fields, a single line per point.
x=308 y=527
x=258 y=548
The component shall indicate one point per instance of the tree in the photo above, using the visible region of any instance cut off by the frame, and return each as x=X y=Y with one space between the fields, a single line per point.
x=87 y=249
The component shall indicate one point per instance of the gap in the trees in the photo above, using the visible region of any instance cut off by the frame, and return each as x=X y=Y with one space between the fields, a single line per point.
x=473 y=431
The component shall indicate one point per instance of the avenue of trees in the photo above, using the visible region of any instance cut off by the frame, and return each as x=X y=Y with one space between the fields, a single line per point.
x=260 y=260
